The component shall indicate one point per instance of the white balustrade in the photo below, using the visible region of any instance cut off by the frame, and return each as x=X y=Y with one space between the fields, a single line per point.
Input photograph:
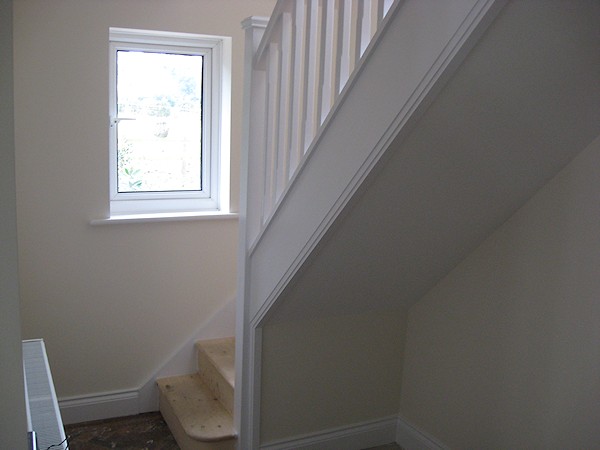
x=307 y=54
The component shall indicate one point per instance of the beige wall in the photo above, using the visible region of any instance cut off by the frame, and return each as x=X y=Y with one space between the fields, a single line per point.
x=112 y=302
x=328 y=372
x=13 y=425
x=505 y=351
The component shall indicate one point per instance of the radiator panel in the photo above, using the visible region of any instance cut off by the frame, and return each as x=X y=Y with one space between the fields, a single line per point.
x=42 y=405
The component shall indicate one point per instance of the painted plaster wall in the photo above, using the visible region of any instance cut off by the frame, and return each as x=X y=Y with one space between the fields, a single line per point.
x=13 y=424
x=504 y=352
x=112 y=302
x=328 y=372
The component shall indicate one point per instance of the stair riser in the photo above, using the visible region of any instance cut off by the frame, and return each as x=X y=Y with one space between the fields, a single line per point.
x=215 y=381
x=183 y=440
x=199 y=407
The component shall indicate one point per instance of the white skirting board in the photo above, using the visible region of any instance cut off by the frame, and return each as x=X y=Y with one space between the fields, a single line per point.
x=352 y=437
x=363 y=435
x=105 y=405
x=410 y=437
x=99 y=406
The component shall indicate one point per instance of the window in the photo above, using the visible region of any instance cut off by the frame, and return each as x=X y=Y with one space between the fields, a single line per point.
x=170 y=96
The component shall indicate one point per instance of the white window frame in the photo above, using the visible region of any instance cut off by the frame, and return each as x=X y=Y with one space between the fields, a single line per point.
x=216 y=123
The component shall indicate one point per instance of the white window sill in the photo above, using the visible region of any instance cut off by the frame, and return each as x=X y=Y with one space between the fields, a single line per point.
x=164 y=217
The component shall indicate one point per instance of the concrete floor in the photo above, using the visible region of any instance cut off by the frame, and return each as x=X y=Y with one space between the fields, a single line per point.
x=143 y=431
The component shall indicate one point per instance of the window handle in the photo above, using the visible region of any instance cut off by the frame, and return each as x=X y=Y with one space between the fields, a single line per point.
x=115 y=120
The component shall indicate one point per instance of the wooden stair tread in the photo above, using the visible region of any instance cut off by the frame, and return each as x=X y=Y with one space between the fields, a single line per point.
x=200 y=414
x=222 y=353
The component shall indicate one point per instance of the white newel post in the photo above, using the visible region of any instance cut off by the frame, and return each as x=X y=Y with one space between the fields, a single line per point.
x=252 y=172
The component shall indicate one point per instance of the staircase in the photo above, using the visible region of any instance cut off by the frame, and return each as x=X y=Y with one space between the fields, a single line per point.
x=329 y=40
x=198 y=408
x=383 y=142
x=372 y=173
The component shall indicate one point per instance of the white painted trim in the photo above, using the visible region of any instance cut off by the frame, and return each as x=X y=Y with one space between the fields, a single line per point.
x=363 y=435
x=255 y=377
x=351 y=437
x=410 y=437
x=98 y=406
x=255 y=22
x=247 y=354
x=164 y=217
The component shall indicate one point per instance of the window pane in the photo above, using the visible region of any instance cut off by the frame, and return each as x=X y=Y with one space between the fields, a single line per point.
x=161 y=149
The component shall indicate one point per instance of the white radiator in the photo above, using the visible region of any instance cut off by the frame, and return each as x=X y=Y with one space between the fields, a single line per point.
x=43 y=415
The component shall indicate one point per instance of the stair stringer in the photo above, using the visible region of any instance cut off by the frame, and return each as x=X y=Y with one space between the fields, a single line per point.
x=325 y=184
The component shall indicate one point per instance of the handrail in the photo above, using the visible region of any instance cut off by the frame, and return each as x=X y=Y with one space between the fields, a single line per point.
x=307 y=54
